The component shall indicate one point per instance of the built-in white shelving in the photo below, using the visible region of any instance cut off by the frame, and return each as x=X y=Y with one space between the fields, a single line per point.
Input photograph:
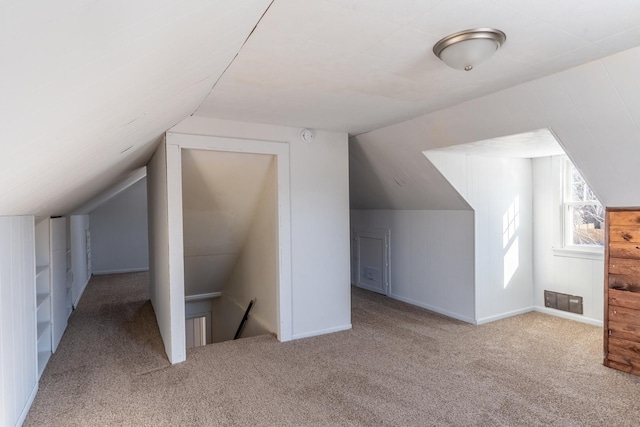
x=40 y=299
x=59 y=280
x=43 y=292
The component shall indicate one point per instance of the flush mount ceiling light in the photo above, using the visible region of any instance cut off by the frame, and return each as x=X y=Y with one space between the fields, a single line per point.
x=466 y=49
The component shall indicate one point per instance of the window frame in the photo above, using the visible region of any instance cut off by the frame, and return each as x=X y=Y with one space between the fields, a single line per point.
x=567 y=214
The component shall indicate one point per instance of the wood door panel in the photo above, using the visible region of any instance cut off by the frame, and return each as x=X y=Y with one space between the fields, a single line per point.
x=624 y=299
x=623 y=330
x=619 y=363
x=624 y=266
x=624 y=233
x=628 y=349
x=624 y=315
x=624 y=250
x=624 y=283
x=622 y=290
x=624 y=218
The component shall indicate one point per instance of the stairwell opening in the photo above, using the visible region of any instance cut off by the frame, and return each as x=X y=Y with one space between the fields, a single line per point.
x=230 y=229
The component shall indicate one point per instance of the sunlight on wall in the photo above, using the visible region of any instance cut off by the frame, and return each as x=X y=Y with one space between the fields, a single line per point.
x=510 y=226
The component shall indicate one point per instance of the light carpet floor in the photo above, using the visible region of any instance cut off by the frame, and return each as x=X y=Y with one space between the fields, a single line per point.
x=399 y=366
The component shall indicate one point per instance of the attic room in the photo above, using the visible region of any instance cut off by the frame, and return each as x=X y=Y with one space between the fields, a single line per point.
x=162 y=156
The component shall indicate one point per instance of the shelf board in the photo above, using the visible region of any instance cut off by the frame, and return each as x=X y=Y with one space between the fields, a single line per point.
x=41 y=268
x=40 y=298
x=42 y=328
x=68 y=251
x=43 y=359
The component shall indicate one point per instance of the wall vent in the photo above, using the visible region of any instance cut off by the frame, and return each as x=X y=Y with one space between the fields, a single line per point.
x=564 y=302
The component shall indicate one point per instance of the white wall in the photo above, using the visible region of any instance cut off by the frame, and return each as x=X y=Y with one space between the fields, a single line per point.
x=500 y=192
x=255 y=273
x=168 y=302
x=556 y=269
x=18 y=372
x=119 y=232
x=431 y=259
x=81 y=272
x=319 y=195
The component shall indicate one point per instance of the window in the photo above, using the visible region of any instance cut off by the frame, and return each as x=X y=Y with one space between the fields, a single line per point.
x=583 y=213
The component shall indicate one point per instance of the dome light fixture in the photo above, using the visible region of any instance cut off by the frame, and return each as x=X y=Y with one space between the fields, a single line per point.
x=466 y=49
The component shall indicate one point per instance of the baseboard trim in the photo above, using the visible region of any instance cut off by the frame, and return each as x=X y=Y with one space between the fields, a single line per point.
x=369 y=288
x=126 y=270
x=27 y=406
x=512 y=313
x=322 y=332
x=75 y=303
x=569 y=316
x=432 y=308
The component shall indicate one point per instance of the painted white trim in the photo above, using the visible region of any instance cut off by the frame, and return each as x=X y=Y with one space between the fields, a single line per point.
x=504 y=315
x=27 y=406
x=595 y=253
x=75 y=303
x=322 y=332
x=112 y=192
x=434 y=309
x=176 y=254
x=126 y=270
x=281 y=150
x=569 y=316
x=200 y=297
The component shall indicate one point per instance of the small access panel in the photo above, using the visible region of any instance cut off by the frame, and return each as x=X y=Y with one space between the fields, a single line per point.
x=372 y=260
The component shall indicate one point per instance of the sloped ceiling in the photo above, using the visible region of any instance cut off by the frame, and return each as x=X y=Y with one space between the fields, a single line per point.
x=88 y=87
x=527 y=145
x=593 y=110
x=220 y=192
x=359 y=65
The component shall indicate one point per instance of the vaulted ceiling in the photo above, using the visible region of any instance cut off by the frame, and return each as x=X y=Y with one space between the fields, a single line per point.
x=89 y=86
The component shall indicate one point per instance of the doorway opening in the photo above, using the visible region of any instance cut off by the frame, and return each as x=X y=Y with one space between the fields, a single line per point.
x=230 y=237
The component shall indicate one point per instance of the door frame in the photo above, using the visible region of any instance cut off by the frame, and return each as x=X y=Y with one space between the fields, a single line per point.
x=175 y=143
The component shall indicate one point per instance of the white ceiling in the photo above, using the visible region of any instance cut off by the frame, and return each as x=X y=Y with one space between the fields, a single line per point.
x=87 y=87
x=526 y=145
x=358 y=65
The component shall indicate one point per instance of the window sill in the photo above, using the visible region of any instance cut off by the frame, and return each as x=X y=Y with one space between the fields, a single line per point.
x=591 y=253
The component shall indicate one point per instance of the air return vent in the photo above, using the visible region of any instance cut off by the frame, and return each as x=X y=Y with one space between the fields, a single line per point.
x=564 y=302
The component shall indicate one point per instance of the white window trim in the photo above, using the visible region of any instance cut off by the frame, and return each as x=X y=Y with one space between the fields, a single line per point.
x=567 y=249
